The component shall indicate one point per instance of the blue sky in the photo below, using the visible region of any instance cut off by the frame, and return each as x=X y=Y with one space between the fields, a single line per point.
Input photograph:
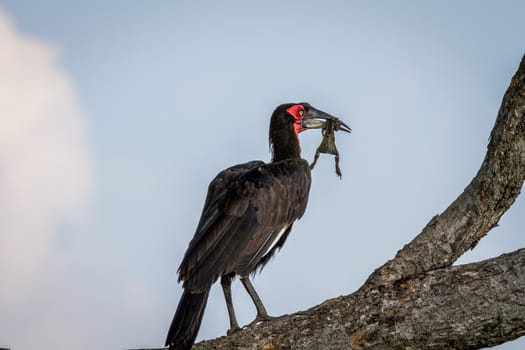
x=121 y=113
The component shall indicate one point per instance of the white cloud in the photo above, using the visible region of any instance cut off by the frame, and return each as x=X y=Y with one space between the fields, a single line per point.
x=45 y=165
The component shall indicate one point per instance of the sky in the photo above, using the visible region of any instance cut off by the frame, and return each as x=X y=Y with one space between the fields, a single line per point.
x=116 y=115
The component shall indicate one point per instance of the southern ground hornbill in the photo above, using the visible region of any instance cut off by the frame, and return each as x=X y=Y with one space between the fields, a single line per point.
x=248 y=213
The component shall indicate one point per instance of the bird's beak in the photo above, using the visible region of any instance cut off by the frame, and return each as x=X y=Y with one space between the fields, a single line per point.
x=316 y=119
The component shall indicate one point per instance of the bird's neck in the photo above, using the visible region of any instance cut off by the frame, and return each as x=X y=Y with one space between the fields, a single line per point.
x=284 y=144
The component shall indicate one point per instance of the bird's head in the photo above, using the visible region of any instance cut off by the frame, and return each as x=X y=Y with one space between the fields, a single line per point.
x=289 y=120
x=307 y=117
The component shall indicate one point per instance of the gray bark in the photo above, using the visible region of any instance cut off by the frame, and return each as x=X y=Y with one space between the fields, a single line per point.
x=418 y=300
x=459 y=307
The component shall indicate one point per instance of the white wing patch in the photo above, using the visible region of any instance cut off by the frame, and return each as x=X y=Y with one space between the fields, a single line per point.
x=277 y=238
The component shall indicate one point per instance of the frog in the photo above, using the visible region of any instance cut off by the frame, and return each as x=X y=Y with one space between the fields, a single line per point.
x=328 y=145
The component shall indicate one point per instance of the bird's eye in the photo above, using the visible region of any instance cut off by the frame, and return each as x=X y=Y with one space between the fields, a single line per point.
x=301 y=112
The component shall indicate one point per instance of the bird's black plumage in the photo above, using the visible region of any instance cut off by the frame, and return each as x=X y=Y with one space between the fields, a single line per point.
x=248 y=213
x=247 y=205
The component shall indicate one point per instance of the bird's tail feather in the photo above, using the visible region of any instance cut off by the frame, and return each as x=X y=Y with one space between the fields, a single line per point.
x=187 y=320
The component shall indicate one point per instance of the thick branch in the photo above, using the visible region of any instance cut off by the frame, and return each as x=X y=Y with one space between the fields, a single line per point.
x=478 y=209
x=459 y=307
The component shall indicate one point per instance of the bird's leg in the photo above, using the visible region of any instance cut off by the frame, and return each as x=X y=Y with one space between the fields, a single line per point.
x=226 y=282
x=262 y=314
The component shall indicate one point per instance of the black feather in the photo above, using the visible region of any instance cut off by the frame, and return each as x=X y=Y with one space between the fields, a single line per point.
x=187 y=320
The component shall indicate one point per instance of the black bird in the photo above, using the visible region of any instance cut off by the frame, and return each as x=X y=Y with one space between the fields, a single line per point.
x=249 y=211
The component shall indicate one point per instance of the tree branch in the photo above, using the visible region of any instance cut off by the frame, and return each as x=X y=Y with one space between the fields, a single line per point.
x=478 y=209
x=459 y=307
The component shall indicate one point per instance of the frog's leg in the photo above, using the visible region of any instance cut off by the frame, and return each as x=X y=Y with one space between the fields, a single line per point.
x=317 y=152
x=337 y=169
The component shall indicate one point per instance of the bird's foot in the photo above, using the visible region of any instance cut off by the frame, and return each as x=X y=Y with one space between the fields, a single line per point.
x=233 y=330
x=260 y=319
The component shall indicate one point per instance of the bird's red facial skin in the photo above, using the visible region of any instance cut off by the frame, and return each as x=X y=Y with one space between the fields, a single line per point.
x=297 y=112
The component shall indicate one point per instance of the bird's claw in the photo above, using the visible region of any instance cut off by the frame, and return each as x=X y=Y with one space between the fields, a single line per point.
x=233 y=330
x=261 y=318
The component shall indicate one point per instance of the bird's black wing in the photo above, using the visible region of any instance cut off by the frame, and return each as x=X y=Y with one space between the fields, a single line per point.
x=217 y=190
x=278 y=205
x=246 y=208
x=212 y=222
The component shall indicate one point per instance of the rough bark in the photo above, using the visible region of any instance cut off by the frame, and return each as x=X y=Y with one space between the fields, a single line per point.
x=459 y=307
x=418 y=300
